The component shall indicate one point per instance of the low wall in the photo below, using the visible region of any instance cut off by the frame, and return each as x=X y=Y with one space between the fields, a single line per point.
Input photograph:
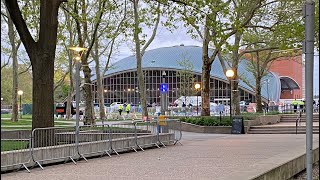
x=205 y=129
x=288 y=169
x=56 y=153
x=16 y=134
x=260 y=120
x=263 y=120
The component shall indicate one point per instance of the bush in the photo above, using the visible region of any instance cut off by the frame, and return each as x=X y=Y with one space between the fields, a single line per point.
x=207 y=121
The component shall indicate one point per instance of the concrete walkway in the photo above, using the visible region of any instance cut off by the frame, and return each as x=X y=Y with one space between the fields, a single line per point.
x=202 y=156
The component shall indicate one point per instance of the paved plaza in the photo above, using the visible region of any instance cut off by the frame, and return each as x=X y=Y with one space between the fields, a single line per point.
x=202 y=156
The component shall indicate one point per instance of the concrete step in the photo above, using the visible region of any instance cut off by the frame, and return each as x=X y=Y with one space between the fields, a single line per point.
x=280 y=132
x=294 y=120
x=279 y=127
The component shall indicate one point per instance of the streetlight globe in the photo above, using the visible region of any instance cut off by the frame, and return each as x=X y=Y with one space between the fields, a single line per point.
x=230 y=73
x=77 y=49
x=197 y=86
x=20 y=92
x=77 y=58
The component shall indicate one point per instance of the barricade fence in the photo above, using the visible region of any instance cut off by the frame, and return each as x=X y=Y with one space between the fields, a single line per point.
x=17 y=143
x=56 y=144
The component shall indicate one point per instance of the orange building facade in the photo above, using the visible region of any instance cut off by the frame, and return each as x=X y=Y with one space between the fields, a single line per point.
x=290 y=67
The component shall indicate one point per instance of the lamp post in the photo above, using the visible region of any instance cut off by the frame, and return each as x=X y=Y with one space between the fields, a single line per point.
x=309 y=13
x=20 y=92
x=163 y=94
x=230 y=75
x=77 y=53
x=197 y=86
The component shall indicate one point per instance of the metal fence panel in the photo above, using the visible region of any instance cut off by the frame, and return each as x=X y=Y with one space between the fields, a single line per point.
x=150 y=129
x=50 y=144
x=171 y=126
x=94 y=140
x=123 y=135
x=15 y=150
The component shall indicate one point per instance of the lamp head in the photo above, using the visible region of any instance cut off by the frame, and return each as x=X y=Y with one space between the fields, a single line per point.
x=230 y=73
x=77 y=49
x=20 y=92
x=197 y=86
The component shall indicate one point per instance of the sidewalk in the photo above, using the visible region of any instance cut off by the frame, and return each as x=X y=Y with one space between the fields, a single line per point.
x=202 y=156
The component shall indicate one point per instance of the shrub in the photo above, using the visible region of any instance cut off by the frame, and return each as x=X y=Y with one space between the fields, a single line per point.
x=207 y=121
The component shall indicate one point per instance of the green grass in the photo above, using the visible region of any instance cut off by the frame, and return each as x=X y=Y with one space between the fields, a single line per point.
x=5 y=122
x=13 y=145
x=27 y=116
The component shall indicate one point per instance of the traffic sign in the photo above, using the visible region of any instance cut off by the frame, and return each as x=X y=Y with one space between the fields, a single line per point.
x=163 y=87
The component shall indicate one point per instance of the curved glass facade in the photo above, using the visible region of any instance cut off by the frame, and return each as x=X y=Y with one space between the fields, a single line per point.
x=123 y=87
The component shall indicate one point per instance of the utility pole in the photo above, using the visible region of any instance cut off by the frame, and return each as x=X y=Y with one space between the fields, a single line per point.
x=308 y=13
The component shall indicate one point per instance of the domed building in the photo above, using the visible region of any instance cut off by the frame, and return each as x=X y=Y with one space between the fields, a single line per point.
x=121 y=82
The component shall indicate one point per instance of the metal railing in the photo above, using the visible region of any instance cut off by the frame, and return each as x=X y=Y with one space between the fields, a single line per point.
x=57 y=144
x=16 y=144
x=298 y=120
x=50 y=140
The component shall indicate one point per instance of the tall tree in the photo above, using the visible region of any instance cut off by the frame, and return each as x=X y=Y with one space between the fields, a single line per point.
x=139 y=51
x=214 y=22
x=14 y=43
x=42 y=56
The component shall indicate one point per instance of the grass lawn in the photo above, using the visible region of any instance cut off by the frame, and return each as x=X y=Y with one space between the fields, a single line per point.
x=13 y=145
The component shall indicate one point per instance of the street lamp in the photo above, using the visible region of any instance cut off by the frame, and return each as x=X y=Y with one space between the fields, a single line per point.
x=20 y=92
x=77 y=54
x=163 y=93
x=197 y=86
x=230 y=75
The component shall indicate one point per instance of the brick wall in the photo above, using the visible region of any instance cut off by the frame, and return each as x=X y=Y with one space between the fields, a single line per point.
x=292 y=67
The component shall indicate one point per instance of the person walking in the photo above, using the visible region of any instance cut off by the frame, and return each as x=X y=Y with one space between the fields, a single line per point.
x=295 y=105
x=128 y=108
x=301 y=106
x=120 y=109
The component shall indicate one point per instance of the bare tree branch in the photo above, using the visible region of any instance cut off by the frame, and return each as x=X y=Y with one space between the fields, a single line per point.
x=153 y=32
x=26 y=70
x=60 y=82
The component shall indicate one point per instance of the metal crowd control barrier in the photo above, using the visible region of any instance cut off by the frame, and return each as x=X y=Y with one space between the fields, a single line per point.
x=147 y=129
x=171 y=126
x=10 y=146
x=123 y=135
x=94 y=140
x=49 y=144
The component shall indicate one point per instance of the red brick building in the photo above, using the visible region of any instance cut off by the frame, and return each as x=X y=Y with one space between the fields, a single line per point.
x=290 y=71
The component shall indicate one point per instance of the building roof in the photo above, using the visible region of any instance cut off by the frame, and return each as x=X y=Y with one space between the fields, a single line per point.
x=168 y=57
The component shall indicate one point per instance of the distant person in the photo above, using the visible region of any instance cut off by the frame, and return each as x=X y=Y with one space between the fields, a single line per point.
x=120 y=109
x=295 y=105
x=128 y=108
x=301 y=106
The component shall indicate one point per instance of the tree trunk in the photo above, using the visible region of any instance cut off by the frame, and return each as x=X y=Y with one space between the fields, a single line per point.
x=87 y=92
x=205 y=93
x=100 y=90
x=258 y=95
x=42 y=110
x=235 y=96
x=142 y=87
x=14 y=50
x=206 y=69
